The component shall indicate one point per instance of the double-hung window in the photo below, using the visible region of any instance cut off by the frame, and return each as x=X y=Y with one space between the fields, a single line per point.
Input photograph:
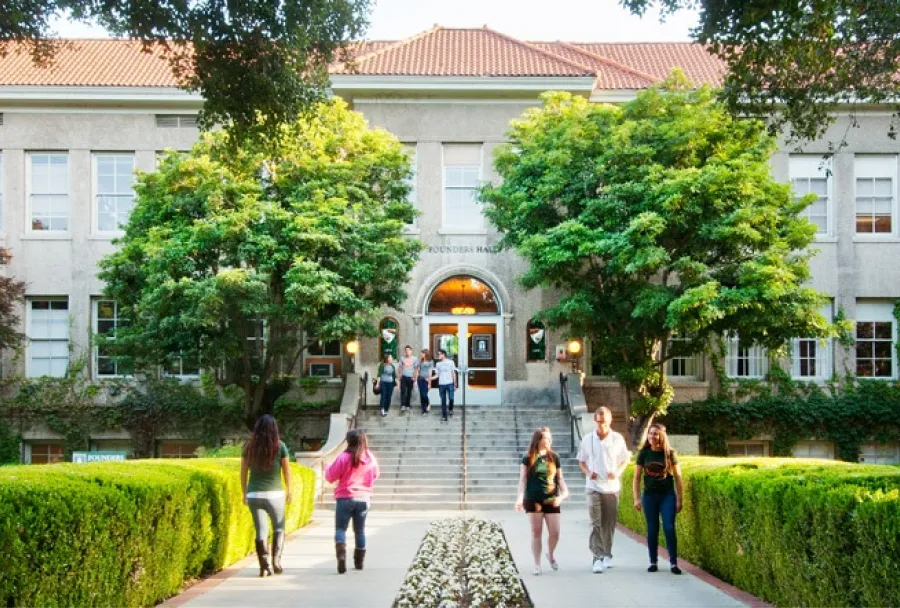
x=811 y=358
x=462 y=178
x=113 y=191
x=48 y=191
x=812 y=175
x=744 y=361
x=876 y=339
x=876 y=194
x=683 y=367
x=106 y=322
x=48 y=337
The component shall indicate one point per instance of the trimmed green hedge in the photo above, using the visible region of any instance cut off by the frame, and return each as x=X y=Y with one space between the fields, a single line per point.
x=793 y=532
x=125 y=533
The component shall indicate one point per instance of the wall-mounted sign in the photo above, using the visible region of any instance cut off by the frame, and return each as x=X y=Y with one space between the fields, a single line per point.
x=482 y=347
x=85 y=457
x=537 y=341
x=463 y=249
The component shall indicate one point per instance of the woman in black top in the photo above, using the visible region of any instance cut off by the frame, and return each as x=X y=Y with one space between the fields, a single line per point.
x=658 y=465
x=541 y=490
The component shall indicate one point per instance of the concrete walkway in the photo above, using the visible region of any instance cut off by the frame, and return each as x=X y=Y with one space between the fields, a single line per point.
x=310 y=578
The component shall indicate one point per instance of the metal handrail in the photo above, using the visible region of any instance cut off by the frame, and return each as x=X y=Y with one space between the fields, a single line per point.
x=565 y=404
x=363 y=390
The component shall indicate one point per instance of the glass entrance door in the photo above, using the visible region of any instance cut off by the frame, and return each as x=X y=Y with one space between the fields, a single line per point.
x=475 y=346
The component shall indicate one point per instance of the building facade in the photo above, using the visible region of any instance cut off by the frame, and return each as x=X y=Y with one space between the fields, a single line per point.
x=72 y=136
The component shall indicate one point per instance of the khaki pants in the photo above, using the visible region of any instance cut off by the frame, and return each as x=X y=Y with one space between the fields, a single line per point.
x=604 y=511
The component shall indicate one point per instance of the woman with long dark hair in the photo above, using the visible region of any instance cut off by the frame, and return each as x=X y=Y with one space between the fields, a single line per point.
x=658 y=465
x=541 y=491
x=355 y=472
x=265 y=458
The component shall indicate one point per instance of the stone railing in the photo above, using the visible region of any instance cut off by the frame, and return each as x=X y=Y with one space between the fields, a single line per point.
x=340 y=423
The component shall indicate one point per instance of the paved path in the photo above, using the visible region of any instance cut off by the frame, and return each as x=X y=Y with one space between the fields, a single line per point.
x=310 y=578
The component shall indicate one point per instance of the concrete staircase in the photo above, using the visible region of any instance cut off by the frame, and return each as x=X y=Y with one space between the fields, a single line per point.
x=422 y=459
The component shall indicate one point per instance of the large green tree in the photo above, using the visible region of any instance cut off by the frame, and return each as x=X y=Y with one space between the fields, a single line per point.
x=12 y=291
x=656 y=219
x=800 y=63
x=248 y=59
x=230 y=253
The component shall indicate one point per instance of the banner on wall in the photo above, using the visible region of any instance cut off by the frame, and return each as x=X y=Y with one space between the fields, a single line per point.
x=537 y=341
x=389 y=338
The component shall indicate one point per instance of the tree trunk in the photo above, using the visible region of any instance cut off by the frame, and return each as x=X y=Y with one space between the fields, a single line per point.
x=638 y=429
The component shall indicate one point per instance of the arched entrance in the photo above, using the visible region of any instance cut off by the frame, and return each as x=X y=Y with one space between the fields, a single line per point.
x=463 y=317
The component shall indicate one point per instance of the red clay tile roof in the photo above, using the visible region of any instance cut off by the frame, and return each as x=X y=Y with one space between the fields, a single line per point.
x=475 y=52
x=90 y=63
x=464 y=52
x=658 y=58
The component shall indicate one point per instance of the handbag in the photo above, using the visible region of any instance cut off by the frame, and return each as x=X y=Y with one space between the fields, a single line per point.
x=376 y=388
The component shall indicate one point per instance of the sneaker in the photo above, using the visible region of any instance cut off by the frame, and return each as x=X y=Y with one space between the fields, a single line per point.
x=383 y=413
x=607 y=562
x=537 y=571
x=444 y=419
x=676 y=569
x=553 y=563
x=598 y=566
x=652 y=568
x=425 y=413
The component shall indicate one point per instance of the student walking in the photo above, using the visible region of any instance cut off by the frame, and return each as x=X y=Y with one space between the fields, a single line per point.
x=541 y=491
x=602 y=458
x=265 y=461
x=423 y=377
x=407 y=377
x=657 y=465
x=448 y=380
x=355 y=472
x=387 y=379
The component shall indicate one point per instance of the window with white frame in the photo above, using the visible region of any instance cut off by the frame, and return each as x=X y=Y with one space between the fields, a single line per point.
x=811 y=358
x=683 y=367
x=743 y=361
x=182 y=366
x=48 y=337
x=106 y=322
x=256 y=338
x=412 y=182
x=113 y=191
x=812 y=175
x=876 y=199
x=48 y=191
x=747 y=448
x=1 y=192
x=876 y=336
x=880 y=453
x=462 y=178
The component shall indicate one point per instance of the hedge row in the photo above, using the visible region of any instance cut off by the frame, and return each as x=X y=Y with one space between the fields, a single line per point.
x=125 y=533
x=793 y=532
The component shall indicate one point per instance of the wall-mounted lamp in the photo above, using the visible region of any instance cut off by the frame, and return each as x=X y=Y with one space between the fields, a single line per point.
x=574 y=350
x=352 y=349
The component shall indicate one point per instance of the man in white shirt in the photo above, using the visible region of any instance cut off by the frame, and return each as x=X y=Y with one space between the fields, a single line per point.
x=603 y=456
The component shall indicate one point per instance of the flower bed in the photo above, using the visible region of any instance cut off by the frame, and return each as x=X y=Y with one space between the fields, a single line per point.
x=464 y=563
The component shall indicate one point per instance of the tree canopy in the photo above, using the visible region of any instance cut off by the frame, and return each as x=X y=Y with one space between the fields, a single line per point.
x=230 y=253
x=798 y=63
x=654 y=220
x=11 y=293
x=247 y=59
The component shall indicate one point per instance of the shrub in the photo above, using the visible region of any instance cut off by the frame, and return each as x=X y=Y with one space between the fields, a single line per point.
x=124 y=533
x=793 y=532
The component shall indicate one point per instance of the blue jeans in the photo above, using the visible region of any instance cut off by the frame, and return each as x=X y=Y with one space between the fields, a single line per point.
x=350 y=509
x=446 y=391
x=387 y=391
x=406 y=389
x=423 y=393
x=655 y=506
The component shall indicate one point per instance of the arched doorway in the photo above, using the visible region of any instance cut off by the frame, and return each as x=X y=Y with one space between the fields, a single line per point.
x=463 y=317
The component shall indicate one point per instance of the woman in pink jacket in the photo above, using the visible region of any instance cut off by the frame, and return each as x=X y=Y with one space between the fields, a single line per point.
x=355 y=471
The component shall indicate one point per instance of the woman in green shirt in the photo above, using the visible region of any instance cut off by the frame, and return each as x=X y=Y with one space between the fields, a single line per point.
x=265 y=458
x=658 y=465
x=541 y=490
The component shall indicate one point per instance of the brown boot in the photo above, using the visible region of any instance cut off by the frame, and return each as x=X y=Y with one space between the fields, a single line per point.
x=340 y=549
x=359 y=555
x=277 y=548
x=262 y=555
